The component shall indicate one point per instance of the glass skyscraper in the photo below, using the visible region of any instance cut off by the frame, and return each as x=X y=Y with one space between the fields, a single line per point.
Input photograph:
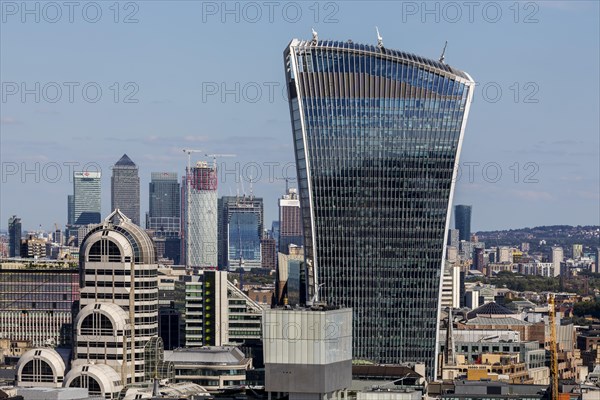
x=86 y=198
x=125 y=188
x=377 y=136
x=14 y=236
x=462 y=222
x=165 y=204
x=240 y=218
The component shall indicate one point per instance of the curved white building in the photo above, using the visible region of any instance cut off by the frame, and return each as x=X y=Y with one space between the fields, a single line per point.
x=98 y=379
x=40 y=368
x=119 y=298
x=118 y=315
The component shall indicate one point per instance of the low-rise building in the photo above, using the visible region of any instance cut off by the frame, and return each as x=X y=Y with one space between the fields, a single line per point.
x=215 y=368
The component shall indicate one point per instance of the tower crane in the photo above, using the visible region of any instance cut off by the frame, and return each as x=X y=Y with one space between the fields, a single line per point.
x=553 y=348
x=215 y=156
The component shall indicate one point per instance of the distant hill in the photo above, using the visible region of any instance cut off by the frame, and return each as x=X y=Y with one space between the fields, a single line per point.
x=560 y=235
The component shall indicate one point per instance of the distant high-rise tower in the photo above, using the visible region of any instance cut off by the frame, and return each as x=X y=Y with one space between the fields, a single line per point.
x=86 y=197
x=577 y=251
x=70 y=209
x=557 y=257
x=453 y=238
x=200 y=217
x=240 y=231
x=290 y=222
x=377 y=136
x=125 y=189
x=14 y=236
x=164 y=204
x=462 y=222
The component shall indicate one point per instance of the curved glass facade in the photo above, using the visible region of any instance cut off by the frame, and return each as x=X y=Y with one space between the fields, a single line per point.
x=377 y=135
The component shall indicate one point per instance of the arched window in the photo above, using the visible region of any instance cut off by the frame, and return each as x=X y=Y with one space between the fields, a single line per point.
x=37 y=370
x=86 y=381
x=104 y=250
x=96 y=324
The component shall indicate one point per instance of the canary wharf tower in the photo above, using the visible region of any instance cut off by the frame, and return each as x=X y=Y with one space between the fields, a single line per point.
x=377 y=137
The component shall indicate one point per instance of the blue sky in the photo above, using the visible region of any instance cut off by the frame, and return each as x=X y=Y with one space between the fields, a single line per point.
x=209 y=76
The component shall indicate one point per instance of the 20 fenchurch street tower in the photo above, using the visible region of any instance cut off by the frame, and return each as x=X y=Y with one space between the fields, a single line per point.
x=377 y=136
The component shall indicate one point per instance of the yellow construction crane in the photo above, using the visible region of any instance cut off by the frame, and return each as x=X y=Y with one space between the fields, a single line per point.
x=553 y=348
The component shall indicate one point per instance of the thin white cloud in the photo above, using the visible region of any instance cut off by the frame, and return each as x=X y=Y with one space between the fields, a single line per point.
x=9 y=121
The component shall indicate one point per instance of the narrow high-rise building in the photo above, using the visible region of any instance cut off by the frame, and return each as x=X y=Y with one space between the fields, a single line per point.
x=290 y=222
x=377 y=136
x=14 y=236
x=125 y=188
x=71 y=209
x=462 y=222
x=164 y=199
x=163 y=219
x=118 y=312
x=577 y=251
x=86 y=197
x=240 y=231
x=200 y=216
x=557 y=257
x=453 y=238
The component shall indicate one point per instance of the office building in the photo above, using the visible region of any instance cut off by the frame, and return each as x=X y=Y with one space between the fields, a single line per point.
x=240 y=231
x=163 y=220
x=275 y=232
x=200 y=216
x=118 y=308
x=164 y=200
x=14 y=236
x=557 y=257
x=290 y=222
x=504 y=254
x=478 y=259
x=577 y=251
x=451 y=285
x=453 y=238
x=268 y=252
x=33 y=247
x=290 y=283
x=215 y=368
x=36 y=303
x=462 y=222
x=317 y=364
x=206 y=308
x=377 y=136
x=216 y=311
x=125 y=189
x=71 y=209
x=86 y=197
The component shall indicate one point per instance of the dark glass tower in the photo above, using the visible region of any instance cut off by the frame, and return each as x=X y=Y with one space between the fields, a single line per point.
x=14 y=236
x=462 y=222
x=165 y=203
x=125 y=189
x=377 y=135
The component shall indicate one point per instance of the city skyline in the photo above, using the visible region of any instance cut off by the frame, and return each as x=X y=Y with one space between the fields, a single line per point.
x=519 y=133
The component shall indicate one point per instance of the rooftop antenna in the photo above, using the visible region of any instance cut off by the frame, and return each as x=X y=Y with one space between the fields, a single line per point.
x=379 y=38
x=443 y=56
x=315 y=36
x=251 y=188
x=287 y=186
x=243 y=189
